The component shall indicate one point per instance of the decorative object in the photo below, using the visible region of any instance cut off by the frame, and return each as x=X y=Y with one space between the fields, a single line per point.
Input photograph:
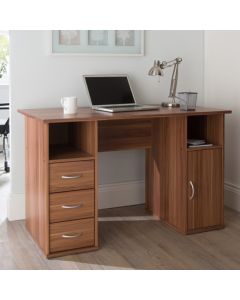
x=157 y=70
x=124 y=38
x=98 y=37
x=97 y=42
x=188 y=100
x=69 y=37
x=69 y=105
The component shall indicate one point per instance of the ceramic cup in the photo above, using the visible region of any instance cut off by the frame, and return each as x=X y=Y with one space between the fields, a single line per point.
x=69 y=105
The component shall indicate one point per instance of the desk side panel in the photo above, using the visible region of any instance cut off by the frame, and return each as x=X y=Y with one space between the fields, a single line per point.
x=94 y=136
x=36 y=178
x=169 y=167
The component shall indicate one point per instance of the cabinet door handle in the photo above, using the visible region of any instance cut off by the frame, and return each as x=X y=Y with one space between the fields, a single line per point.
x=71 y=177
x=72 y=206
x=193 y=190
x=71 y=235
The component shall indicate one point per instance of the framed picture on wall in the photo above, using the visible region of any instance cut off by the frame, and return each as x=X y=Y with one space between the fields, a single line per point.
x=97 y=42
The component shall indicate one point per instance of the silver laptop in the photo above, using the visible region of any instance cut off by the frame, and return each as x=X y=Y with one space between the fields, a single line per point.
x=112 y=93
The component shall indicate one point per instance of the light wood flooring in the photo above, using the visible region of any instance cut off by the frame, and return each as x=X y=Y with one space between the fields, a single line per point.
x=130 y=240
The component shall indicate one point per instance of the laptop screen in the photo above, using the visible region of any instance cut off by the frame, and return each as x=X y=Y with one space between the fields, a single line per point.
x=109 y=90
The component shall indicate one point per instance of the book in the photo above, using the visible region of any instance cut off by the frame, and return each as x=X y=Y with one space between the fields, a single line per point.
x=202 y=145
x=196 y=142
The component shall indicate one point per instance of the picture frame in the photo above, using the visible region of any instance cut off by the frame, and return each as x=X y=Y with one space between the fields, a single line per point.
x=97 y=42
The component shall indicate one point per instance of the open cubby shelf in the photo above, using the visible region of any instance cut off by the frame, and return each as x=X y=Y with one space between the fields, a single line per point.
x=207 y=128
x=69 y=142
x=65 y=153
x=189 y=149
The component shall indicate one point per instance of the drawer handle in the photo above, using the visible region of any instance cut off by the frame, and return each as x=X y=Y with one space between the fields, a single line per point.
x=193 y=190
x=71 y=235
x=72 y=206
x=71 y=177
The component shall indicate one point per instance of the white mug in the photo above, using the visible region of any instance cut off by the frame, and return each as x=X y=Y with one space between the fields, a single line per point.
x=69 y=105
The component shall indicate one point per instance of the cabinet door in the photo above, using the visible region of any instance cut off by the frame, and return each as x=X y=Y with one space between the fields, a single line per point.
x=205 y=189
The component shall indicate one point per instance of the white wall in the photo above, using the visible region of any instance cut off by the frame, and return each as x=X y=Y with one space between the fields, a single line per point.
x=222 y=86
x=39 y=80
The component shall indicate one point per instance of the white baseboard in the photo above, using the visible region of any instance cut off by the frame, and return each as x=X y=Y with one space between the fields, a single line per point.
x=232 y=195
x=121 y=194
x=110 y=195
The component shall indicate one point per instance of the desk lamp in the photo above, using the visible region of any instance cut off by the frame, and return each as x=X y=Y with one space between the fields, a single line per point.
x=157 y=70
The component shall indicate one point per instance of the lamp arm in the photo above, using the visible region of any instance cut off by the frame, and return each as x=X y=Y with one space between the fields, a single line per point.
x=174 y=81
x=170 y=63
x=165 y=65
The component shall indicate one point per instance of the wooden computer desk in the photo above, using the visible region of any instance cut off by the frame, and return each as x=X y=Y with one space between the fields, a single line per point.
x=184 y=187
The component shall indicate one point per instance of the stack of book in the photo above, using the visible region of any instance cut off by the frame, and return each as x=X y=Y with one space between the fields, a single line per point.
x=193 y=143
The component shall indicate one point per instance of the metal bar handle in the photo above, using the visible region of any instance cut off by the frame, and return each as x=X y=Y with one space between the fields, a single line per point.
x=72 y=206
x=71 y=235
x=71 y=177
x=193 y=190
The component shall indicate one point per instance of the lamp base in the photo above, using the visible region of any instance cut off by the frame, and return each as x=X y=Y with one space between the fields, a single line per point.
x=170 y=104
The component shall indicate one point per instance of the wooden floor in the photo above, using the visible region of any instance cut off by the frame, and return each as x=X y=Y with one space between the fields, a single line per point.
x=130 y=240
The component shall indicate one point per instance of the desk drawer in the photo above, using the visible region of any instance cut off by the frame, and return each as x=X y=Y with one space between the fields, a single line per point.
x=71 y=235
x=71 y=205
x=71 y=176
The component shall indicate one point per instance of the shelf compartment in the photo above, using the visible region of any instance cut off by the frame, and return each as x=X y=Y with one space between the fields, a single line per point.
x=72 y=141
x=65 y=153
x=209 y=128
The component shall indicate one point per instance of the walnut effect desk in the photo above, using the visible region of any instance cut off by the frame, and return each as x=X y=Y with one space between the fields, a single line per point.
x=184 y=186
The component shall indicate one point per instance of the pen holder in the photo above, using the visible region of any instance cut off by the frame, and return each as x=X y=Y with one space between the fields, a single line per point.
x=188 y=100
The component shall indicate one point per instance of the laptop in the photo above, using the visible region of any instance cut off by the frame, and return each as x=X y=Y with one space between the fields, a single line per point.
x=112 y=93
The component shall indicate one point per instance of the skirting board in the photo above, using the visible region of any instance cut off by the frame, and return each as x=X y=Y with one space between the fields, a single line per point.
x=110 y=195
x=232 y=195
x=121 y=194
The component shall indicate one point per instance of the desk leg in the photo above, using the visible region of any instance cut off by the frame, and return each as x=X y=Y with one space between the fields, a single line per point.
x=152 y=184
x=95 y=143
x=172 y=163
x=148 y=188
x=166 y=178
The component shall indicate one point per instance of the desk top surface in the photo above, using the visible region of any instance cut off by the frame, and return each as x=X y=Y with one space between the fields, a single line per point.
x=55 y=115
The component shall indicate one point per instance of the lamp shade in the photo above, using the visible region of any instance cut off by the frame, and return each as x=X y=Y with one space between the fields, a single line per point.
x=156 y=70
